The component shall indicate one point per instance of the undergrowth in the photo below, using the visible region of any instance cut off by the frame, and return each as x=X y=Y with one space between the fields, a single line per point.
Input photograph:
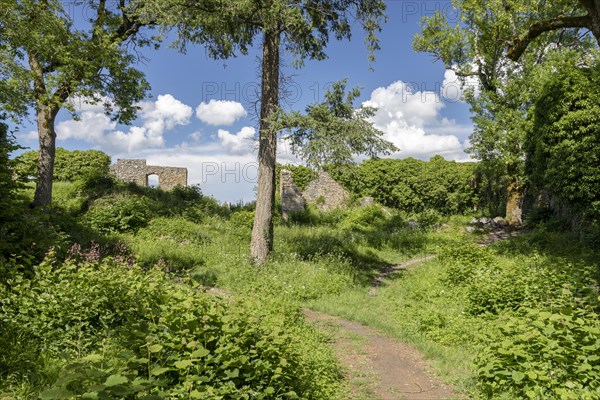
x=124 y=312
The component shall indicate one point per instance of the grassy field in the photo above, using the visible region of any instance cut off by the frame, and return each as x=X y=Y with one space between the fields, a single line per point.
x=517 y=319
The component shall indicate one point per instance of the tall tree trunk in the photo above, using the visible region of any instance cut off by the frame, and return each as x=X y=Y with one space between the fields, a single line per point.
x=261 y=243
x=514 y=202
x=47 y=136
x=593 y=9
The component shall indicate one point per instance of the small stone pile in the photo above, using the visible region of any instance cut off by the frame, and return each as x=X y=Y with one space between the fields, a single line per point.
x=485 y=223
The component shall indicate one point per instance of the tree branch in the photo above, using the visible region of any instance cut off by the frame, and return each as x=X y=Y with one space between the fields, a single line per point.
x=518 y=47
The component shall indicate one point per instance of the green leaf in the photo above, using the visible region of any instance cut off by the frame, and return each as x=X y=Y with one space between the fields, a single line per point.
x=200 y=352
x=517 y=376
x=56 y=393
x=155 y=348
x=115 y=379
x=183 y=364
x=159 y=371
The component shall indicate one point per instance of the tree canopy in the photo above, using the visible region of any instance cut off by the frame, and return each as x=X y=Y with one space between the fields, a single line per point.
x=301 y=29
x=48 y=59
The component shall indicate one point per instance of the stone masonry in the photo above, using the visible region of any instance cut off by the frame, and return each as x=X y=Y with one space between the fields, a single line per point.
x=137 y=171
x=291 y=196
x=324 y=192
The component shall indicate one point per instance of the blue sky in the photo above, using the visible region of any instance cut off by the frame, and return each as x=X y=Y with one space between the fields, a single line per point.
x=200 y=113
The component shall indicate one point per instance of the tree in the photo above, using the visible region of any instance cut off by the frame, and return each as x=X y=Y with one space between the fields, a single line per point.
x=49 y=59
x=479 y=47
x=8 y=184
x=563 y=150
x=553 y=16
x=333 y=131
x=301 y=28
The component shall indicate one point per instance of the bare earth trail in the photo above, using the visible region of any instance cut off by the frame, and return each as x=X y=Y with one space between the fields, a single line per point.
x=379 y=367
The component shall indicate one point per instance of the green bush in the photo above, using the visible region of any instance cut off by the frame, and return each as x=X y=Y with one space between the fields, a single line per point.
x=365 y=217
x=242 y=219
x=462 y=262
x=413 y=185
x=111 y=330
x=68 y=165
x=428 y=218
x=120 y=213
x=552 y=353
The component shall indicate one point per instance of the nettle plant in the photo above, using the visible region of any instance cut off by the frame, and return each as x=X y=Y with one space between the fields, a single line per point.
x=553 y=353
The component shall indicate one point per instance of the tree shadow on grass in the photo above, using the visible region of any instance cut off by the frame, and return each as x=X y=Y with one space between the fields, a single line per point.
x=366 y=264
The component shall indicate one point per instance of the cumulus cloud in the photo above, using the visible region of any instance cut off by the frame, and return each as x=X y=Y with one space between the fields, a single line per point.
x=94 y=127
x=239 y=143
x=411 y=120
x=220 y=112
x=453 y=87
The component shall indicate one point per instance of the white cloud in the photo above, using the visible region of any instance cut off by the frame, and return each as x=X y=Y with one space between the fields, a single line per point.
x=164 y=113
x=411 y=120
x=94 y=127
x=220 y=112
x=239 y=143
x=453 y=87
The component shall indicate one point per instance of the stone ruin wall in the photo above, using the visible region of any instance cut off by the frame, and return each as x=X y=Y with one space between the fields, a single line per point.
x=136 y=171
x=324 y=192
x=291 y=196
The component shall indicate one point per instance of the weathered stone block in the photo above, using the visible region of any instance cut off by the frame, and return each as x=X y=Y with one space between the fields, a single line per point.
x=291 y=196
x=326 y=193
x=136 y=171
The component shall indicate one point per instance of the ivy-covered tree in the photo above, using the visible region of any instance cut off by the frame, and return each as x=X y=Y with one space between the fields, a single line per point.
x=563 y=150
x=300 y=28
x=48 y=58
x=479 y=47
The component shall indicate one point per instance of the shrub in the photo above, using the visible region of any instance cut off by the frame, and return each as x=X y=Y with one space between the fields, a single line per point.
x=365 y=217
x=413 y=185
x=68 y=165
x=109 y=330
x=553 y=353
x=428 y=218
x=462 y=261
x=120 y=213
x=242 y=219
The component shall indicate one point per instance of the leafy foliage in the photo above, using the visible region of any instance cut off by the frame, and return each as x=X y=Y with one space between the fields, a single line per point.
x=8 y=184
x=552 y=353
x=563 y=148
x=334 y=131
x=413 y=185
x=120 y=213
x=69 y=165
x=124 y=332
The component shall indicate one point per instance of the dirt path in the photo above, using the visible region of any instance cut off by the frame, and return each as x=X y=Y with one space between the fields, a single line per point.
x=378 y=367
x=403 y=266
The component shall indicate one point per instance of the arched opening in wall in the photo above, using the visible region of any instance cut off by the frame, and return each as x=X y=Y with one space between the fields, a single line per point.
x=152 y=180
